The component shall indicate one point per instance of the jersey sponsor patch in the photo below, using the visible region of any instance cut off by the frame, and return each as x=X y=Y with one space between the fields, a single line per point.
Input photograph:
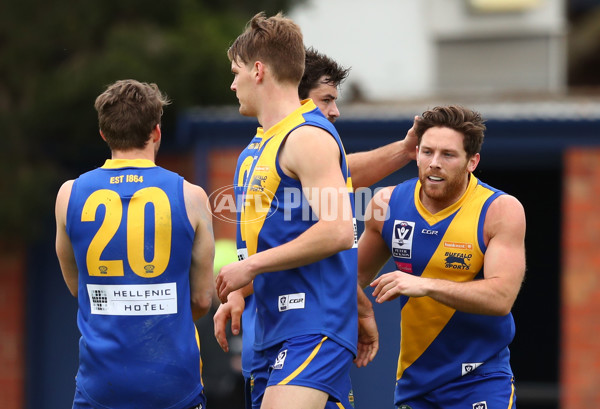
x=291 y=301
x=242 y=254
x=280 y=360
x=143 y=299
x=470 y=367
x=402 y=238
x=480 y=405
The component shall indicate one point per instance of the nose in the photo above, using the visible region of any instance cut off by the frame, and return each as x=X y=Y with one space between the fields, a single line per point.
x=334 y=112
x=435 y=161
x=233 y=86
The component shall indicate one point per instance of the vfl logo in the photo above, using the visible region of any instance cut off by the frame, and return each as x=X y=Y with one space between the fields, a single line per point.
x=402 y=237
x=280 y=360
x=467 y=368
x=291 y=302
x=480 y=405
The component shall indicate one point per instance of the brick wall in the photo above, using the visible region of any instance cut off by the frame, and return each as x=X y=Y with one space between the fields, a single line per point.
x=580 y=345
x=12 y=327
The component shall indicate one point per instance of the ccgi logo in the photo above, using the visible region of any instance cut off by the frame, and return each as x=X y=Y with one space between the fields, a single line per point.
x=229 y=202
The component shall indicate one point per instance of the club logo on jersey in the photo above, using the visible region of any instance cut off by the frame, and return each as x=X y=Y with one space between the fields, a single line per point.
x=402 y=237
x=351 y=397
x=469 y=367
x=280 y=360
x=457 y=261
x=480 y=405
x=291 y=301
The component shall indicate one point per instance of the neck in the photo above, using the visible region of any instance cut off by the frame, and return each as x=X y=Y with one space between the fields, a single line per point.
x=134 y=154
x=279 y=102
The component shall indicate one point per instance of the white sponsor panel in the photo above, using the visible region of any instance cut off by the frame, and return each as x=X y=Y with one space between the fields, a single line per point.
x=132 y=299
x=291 y=301
x=242 y=254
x=470 y=367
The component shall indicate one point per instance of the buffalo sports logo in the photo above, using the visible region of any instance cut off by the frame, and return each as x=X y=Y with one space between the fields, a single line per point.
x=402 y=238
x=480 y=405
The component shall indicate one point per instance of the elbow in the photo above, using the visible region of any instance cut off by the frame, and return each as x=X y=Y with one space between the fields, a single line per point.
x=200 y=306
x=345 y=237
x=503 y=307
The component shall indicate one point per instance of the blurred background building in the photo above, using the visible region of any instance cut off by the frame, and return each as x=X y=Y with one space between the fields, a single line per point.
x=531 y=67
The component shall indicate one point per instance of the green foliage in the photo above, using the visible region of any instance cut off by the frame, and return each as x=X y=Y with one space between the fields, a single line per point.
x=58 y=55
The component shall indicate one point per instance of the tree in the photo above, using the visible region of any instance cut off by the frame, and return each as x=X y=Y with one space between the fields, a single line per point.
x=57 y=56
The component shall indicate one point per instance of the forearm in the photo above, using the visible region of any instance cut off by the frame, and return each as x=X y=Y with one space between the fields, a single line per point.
x=486 y=296
x=370 y=167
x=365 y=307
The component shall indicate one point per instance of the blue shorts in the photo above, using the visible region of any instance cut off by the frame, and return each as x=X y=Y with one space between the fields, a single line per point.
x=313 y=361
x=80 y=402
x=494 y=390
x=348 y=403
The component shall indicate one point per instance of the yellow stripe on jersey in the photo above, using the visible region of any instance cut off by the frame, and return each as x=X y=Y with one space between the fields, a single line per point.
x=304 y=364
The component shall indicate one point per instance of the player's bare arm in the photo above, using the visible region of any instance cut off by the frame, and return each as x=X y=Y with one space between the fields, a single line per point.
x=504 y=269
x=370 y=167
x=368 y=335
x=373 y=252
x=64 y=249
x=203 y=250
x=330 y=235
x=229 y=311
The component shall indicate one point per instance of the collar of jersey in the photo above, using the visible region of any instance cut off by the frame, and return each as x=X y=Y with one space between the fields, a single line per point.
x=441 y=215
x=307 y=106
x=128 y=163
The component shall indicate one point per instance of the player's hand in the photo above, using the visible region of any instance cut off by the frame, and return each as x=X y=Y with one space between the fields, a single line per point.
x=410 y=140
x=230 y=311
x=233 y=277
x=368 y=340
x=392 y=285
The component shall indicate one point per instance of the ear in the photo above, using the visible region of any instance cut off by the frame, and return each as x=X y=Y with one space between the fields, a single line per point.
x=102 y=135
x=258 y=71
x=156 y=133
x=473 y=162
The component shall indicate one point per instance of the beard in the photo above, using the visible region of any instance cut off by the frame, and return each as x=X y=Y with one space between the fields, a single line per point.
x=448 y=191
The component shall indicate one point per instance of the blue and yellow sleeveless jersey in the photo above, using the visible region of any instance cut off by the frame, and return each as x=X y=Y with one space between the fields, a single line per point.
x=132 y=240
x=244 y=164
x=318 y=298
x=437 y=343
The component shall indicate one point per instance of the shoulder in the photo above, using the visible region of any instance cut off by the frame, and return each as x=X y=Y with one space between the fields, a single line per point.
x=309 y=147
x=62 y=200
x=194 y=195
x=65 y=191
x=377 y=208
x=505 y=213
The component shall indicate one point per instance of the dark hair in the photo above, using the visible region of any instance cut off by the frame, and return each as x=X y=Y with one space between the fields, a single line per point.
x=128 y=111
x=317 y=66
x=468 y=122
x=276 y=41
